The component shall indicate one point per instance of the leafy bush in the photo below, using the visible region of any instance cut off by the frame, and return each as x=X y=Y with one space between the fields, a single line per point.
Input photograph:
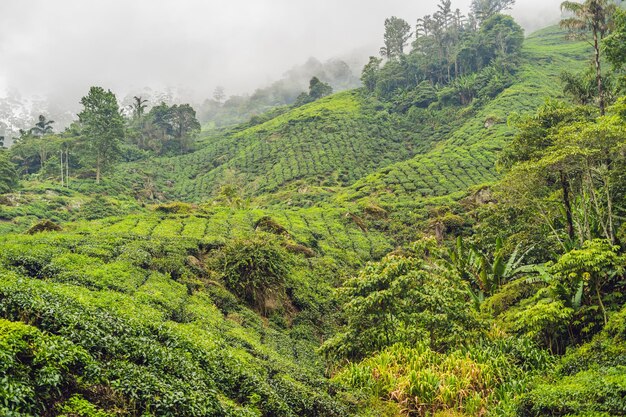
x=593 y=391
x=36 y=369
x=255 y=269
x=174 y=208
x=425 y=382
x=406 y=299
x=44 y=226
x=100 y=207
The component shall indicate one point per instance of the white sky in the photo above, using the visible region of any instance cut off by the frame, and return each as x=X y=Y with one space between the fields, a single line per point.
x=61 y=47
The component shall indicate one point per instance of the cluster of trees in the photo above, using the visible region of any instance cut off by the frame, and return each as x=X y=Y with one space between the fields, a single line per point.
x=595 y=20
x=164 y=129
x=102 y=136
x=317 y=90
x=448 y=49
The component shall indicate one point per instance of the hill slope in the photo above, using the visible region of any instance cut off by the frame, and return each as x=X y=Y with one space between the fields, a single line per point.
x=349 y=139
x=467 y=157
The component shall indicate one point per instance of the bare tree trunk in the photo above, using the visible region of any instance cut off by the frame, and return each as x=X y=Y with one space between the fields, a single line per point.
x=600 y=302
x=568 y=206
x=596 y=47
x=61 y=169
x=98 y=170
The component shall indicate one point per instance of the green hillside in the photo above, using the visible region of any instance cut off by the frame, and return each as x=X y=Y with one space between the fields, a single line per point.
x=102 y=320
x=467 y=156
x=369 y=253
x=330 y=142
x=340 y=140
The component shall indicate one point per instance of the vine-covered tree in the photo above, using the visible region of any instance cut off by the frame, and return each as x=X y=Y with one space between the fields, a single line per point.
x=103 y=128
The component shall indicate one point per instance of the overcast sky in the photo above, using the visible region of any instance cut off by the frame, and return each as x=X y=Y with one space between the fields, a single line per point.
x=64 y=46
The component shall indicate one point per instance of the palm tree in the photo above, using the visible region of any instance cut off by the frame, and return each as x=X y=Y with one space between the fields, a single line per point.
x=591 y=16
x=139 y=107
x=42 y=127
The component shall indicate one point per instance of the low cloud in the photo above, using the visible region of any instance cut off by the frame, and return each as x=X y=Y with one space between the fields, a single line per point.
x=60 y=48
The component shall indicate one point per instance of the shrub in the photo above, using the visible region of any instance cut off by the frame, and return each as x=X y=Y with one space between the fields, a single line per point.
x=174 y=208
x=37 y=368
x=77 y=406
x=44 y=226
x=298 y=249
x=99 y=208
x=593 y=391
x=255 y=269
x=425 y=382
x=402 y=299
x=267 y=224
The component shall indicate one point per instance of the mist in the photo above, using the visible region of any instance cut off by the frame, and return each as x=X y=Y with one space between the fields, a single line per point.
x=57 y=49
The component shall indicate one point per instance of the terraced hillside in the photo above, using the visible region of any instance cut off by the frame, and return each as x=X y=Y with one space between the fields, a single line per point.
x=350 y=139
x=330 y=232
x=331 y=142
x=321 y=261
x=468 y=156
x=94 y=322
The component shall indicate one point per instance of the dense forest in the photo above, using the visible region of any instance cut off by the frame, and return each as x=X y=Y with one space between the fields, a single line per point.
x=448 y=239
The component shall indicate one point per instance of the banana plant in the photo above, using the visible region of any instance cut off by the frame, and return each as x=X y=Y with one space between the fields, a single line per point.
x=486 y=274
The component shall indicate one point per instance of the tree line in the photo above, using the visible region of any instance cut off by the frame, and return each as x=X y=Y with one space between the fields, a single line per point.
x=448 y=49
x=103 y=135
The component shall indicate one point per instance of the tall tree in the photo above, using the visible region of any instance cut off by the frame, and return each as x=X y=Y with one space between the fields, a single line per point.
x=397 y=33
x=370 y=73
x=8 y=173
x=615 y=44
x=138 y=107
x=484 y=9
x=319 y=89
x=591 y=17
x=42 y=127
x=103 y=127
x=218 y=94
x=36 y=134
x=183 y=123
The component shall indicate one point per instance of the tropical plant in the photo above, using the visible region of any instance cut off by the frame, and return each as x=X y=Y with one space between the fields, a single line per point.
x=42 y=127
x=8 y=173
x=402 y=299
x=594 y=17
x=486 y=274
